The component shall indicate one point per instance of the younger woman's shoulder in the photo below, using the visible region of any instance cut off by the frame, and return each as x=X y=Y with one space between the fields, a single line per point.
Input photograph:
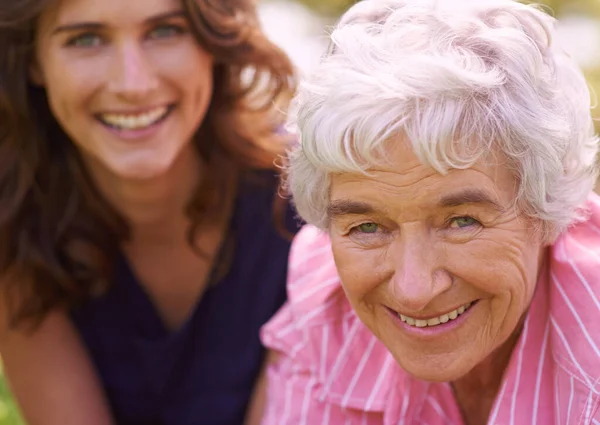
x=261 y=192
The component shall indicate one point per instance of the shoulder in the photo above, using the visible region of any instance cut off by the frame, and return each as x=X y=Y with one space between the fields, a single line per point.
x=261 y=197
x=575 y=297
x=315 y=295
x=586 y=233
x=575 y=257
x=314 y=289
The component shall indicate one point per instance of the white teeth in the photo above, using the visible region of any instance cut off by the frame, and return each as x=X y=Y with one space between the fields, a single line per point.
x=134 y=122
x=444 y=318
x=420 y=323
x=433 y=322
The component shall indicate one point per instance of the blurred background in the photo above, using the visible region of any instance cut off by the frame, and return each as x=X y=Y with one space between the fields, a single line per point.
x=300 y=27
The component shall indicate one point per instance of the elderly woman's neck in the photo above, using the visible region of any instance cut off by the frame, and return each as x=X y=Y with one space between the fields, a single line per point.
x=476 y=391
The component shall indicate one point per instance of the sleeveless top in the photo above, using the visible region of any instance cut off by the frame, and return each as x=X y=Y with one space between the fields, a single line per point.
x=204 y=372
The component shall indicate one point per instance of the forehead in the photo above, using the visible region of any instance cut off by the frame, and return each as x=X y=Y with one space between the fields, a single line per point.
x=405 y=180
x=114 y=12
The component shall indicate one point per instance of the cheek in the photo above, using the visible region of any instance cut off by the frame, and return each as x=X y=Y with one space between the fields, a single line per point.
x=195 y=80
x=186 y=63
x=504 y=274
x=68 y=88
x=491 y=266
x=359 y=269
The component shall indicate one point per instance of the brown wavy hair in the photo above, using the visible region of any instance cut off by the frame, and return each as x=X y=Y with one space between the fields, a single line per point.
x=58 y=237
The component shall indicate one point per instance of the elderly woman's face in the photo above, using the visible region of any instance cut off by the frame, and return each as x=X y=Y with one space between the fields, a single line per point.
x=440 y=268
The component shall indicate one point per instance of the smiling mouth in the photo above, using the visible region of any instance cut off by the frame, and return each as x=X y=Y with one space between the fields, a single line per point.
x=136 y=121
x=436 y=321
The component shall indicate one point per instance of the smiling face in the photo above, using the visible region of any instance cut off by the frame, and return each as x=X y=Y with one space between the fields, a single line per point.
x=440 y=268
x=129 y=85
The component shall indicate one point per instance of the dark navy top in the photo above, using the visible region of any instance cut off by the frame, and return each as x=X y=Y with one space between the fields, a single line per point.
x=203 y=373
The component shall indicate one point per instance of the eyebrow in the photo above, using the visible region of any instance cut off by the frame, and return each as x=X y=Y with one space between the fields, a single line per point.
x=469 y=196
x=347 y=207
x=344 y=207
x=90 y=25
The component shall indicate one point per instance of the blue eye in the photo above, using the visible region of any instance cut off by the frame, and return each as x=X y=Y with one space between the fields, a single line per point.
x=368 y=228
x=85 y=40
x=166 y=31
x=463 y=222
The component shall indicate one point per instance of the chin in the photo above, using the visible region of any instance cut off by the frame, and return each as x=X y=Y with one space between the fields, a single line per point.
x=434 y=369
x=145 y=170
x=143 y=165
x=144 y=174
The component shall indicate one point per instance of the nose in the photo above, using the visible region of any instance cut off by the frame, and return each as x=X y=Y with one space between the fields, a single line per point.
x=418 y=273
x=133 y=78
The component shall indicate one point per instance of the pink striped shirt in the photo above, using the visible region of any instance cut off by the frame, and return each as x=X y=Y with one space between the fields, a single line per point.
x=332 y=370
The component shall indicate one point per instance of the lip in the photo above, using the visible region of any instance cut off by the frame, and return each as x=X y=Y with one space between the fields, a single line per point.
x=431 y=331
x=140 y=134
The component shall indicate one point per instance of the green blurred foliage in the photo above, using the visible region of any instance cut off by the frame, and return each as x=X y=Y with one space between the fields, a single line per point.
x=334 y=8
x=590 y=8
x=562 y=7
x=9 y=414
x=330 y=8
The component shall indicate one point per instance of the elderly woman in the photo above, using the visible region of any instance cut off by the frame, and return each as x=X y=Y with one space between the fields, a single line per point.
x=450 y=273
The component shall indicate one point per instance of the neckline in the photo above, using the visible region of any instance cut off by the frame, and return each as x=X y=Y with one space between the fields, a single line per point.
x=149 y=324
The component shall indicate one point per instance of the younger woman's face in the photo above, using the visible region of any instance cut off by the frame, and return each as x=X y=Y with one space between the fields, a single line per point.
x=126 y=80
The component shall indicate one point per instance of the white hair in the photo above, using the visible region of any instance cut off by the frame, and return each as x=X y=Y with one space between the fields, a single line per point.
x=458 y=79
